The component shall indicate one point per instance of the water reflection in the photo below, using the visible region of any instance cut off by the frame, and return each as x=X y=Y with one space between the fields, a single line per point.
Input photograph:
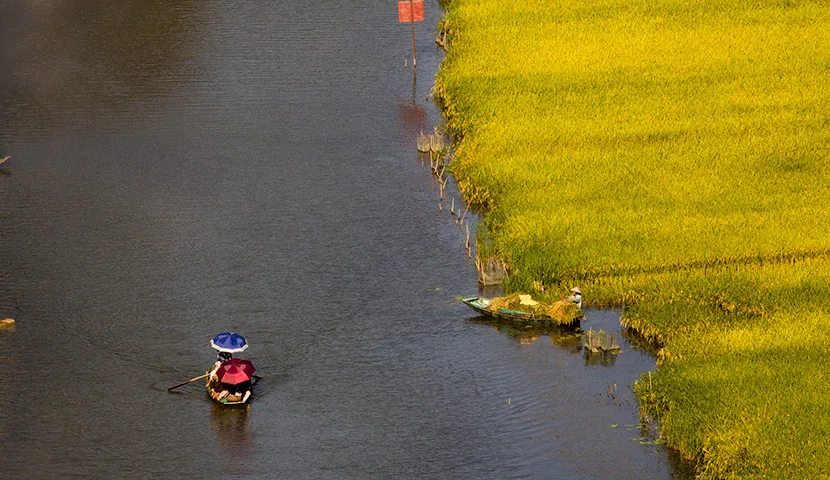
x=600 y=359
x=412 y=118
x=233 y=430
x=568 y=338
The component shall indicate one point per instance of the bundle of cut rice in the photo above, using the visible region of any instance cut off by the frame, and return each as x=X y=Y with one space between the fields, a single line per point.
x=563 y=311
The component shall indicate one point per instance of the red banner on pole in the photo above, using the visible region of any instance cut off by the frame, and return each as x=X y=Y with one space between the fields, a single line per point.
x=407 y=9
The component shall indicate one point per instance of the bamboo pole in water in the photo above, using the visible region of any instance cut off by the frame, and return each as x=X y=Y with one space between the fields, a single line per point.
x=460 y=220
x=412 y=15
x=467 y=245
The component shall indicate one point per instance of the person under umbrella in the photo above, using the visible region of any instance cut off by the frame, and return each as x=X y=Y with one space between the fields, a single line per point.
x=234 y=380
x=220 y=359
x=227 y=344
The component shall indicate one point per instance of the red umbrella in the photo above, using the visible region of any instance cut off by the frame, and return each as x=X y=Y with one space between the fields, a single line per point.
x=235 y=371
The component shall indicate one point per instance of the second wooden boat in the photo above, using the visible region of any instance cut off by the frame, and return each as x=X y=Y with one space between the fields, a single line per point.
x=482 y=306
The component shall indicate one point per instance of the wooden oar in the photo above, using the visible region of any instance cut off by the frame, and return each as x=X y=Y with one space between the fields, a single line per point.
x=185 y=383
x=4 y=159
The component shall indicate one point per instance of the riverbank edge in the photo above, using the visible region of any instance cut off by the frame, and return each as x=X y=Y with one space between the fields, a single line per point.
x=692 y=292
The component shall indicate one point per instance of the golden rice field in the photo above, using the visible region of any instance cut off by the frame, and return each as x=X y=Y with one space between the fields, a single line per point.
x=672 y=156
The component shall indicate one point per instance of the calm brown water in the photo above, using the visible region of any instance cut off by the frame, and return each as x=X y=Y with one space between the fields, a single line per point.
x=182 y=168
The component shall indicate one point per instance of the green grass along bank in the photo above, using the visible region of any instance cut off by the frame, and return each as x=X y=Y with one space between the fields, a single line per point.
x=669 y=156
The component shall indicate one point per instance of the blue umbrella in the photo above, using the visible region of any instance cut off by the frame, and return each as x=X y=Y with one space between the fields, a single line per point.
x=229 y=342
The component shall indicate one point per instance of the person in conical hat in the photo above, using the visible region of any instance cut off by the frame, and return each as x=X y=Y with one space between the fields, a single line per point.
x=576 y=296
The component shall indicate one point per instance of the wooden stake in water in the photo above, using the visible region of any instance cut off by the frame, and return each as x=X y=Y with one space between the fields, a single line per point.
x=414 y=56
x=462 y=216
x=409 y=13
x=467 y=245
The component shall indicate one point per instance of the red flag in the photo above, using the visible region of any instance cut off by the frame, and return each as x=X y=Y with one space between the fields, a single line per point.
x=406 y=9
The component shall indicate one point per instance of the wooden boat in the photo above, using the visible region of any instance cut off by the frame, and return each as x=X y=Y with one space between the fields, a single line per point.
x=231 y=381
x=482 y=306
x=224 y=395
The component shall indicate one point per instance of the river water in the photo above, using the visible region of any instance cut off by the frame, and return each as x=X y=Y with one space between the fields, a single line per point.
x=183 y=168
